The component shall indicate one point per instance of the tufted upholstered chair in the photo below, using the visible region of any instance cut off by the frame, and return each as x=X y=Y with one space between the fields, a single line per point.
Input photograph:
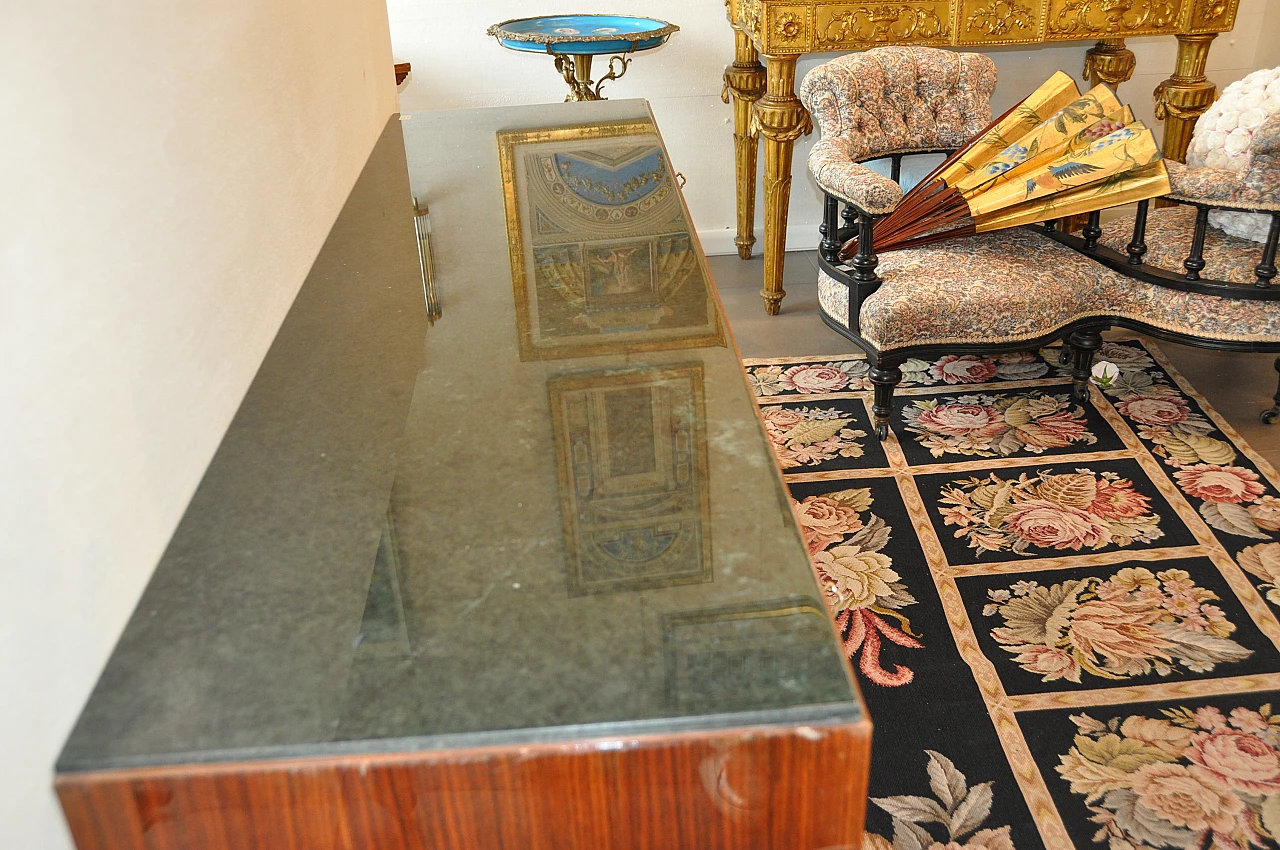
x=996 y=292
x=1226 y=258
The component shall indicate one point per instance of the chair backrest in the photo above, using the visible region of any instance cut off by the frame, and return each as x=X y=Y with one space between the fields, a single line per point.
x=900 y=99
x=1263 y=171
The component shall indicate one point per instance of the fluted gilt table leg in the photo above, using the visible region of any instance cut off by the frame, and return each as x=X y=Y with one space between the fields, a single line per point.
x=1185 y=96
x=781 y=118
x=744 y=81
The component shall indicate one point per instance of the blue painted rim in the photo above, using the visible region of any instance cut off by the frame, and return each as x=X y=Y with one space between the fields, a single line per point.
x=582 y=34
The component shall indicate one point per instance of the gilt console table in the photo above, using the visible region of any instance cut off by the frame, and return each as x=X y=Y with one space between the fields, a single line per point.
x=781 y=31
x=524 y=578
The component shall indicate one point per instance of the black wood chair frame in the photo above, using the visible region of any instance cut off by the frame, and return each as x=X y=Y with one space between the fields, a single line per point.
x=1081 y=338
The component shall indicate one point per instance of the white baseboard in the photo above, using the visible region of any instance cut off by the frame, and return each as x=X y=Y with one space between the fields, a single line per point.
x=800 y=237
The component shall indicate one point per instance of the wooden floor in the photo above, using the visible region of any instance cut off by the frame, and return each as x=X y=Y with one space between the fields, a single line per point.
x=1240 y=386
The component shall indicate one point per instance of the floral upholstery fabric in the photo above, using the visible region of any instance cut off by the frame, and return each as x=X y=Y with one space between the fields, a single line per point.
x=1263 y=173
x=892 y=100
x=1229 y=188
x=1168 y=237
x=960 y=292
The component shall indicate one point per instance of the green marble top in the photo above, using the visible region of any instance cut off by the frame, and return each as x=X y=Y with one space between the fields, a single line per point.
x=550 y=514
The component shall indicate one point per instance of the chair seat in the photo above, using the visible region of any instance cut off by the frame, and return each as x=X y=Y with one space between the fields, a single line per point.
x=1018 y=285
x=1168 y=237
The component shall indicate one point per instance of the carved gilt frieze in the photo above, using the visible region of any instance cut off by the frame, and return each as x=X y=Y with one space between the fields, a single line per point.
x=1001 y=21
x=750 y=14
x=1210 y=16
x=882 y=23
x=793 y=27
x=1071 y=19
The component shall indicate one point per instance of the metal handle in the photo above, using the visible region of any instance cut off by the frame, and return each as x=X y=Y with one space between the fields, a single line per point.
x=426 y=262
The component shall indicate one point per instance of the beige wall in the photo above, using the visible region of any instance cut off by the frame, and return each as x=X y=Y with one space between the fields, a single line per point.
x=455 y=64
x=170 y=171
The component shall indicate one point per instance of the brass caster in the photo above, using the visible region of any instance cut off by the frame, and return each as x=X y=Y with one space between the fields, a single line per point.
x=1269 y=417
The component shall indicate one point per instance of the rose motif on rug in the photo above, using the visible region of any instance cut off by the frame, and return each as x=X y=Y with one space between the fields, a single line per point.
x=860 y=586
x=804 y=436
x=1195 y=778
x=955 y=809
x=1233 y=498
x=996 y=426
x=808 y=378
x=1078 y=511
x=974 y=369
x=1133 y=623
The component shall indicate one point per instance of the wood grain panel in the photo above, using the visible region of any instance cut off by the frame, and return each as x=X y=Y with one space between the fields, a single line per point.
x=765 y=788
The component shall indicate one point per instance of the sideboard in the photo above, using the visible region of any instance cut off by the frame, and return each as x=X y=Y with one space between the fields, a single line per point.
x=513 y=568
x=781 y=31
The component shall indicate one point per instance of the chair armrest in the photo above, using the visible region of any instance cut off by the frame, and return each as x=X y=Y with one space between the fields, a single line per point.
x=852 y=182
x=1220 y=187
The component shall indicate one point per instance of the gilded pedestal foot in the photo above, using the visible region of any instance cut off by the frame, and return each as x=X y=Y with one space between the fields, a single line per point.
x=781 y=118
x=744 y=84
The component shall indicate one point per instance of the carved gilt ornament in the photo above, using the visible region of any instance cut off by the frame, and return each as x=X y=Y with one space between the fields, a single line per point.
x=1112 y=16
x=1000 y=17
x=884 y=24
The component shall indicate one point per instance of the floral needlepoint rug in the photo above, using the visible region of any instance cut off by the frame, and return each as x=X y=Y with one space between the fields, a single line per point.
x=1063 y=617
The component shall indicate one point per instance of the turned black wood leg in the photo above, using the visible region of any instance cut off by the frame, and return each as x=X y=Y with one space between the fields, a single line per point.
x=1064 y=353
x=1085 y=343
x=885 y=377
x=1269 y=417
x=829 y=247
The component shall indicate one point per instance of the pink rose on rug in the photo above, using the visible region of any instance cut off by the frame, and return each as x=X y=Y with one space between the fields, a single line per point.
x=824 y=521
x=782 y=418
x=1185 y=797
x=1118 y=500
x=963 y=369
x=1163 y=410
x=961 y=420
x=1221 y=484
x=1243 y=761
x=1049 y=661
x=1052 y=526
x=1123 y=355
x=813 y=378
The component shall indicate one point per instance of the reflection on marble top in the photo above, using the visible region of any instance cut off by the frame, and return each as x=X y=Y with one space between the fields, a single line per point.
x=555 y=517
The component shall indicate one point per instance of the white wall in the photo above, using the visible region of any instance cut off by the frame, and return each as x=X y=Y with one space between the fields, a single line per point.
x=455 y=65
x=169 y=172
